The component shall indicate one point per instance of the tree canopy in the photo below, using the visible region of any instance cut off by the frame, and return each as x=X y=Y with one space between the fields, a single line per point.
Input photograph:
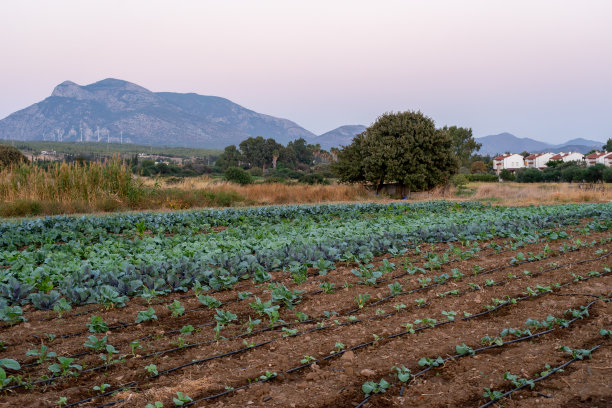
x=10 y=155
x=403 y=147
x=265 y=153
x=464 y=144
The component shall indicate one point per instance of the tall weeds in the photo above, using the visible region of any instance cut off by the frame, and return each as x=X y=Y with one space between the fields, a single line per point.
x=69 y=182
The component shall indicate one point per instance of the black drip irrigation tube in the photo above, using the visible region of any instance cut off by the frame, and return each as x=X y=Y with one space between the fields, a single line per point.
x=238 y=288
x=123 y=325
x=360 y=346
x=553 y=371
x=344 y=314
x=50 y=380
x=481 y=349
x=363 y=345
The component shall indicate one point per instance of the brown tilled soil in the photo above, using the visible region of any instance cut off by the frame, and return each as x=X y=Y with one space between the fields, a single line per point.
x=374 y=339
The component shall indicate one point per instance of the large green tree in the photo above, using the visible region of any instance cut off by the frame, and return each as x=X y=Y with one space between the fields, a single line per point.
x=349 y=166
x=304 y=153
x=464 y=144
x=403 y=147
x=259 y=152
x=230 y=157
x=608 y=146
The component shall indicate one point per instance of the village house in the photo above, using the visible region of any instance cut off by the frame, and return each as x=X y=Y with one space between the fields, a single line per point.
x=538 y=160
x=508 y=161
x=607 y=160
x=568 y=157
x=596 y=158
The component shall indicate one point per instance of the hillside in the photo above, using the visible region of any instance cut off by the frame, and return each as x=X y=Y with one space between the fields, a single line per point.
x=507 y=142
x=341 y=136
x=115 y=110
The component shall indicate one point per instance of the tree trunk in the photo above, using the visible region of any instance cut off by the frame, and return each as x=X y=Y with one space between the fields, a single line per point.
x=380 y=186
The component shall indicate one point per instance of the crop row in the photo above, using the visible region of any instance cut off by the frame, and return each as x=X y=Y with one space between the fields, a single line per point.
x=404 y=375
x=284 y=326
x=116 y=268
x=339 y=353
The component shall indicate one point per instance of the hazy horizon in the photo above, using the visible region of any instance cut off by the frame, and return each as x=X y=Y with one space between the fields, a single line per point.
x=533 y=69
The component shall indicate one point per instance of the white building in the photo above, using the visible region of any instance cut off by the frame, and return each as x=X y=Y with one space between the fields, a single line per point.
x=596 y=158
x=538 y=160
x=510 y=162
x=607 y=160
x=568 y=157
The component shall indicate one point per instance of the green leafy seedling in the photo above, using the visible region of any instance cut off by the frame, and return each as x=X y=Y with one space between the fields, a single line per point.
x=97 y=325
x=96 y=344
x=134 y=345
x=403 y=374
x=371 y=387
x=307 y=359
x=152 y=370
x=492 y=394
x=289 y=332
x=65 y=366
x=146 y=315
x=209 y=301
x=181 y=399
x=101 y=388
x=176 y=309
x=43 y=354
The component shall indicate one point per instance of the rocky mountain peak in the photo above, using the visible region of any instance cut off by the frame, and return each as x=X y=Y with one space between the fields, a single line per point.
x=69 y=89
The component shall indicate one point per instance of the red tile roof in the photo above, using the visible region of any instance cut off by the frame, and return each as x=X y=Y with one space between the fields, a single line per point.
x=503 y=156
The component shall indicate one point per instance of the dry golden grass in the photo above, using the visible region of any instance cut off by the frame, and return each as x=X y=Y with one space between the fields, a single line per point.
x=539 y=193
x=276 y=193
x=63 y=182
x=74 y=188
x=271 y=193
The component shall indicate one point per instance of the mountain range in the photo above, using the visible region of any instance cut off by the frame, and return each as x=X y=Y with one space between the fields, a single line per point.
x=114 y=110
x=507 y=142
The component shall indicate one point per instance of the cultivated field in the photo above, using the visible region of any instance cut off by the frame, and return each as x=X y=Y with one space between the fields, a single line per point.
x=422 y=304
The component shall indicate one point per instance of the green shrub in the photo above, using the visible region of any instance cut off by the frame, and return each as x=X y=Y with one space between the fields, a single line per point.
x=529 y=176
x=11 y=155
x=594 y=173
x=506 y=175
x=607 y=175
x=238 y=176
x=275 y=179
x=482 y=177
x=314 y=178
x=256 y=172
x=573 y=173
x=459 y=180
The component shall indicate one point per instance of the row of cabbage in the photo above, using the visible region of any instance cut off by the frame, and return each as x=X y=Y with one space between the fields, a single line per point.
x=40 y=231
x=116 y=267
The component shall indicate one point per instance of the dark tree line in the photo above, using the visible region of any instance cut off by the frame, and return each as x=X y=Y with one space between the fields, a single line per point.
x=560 y=171
x=257 y=152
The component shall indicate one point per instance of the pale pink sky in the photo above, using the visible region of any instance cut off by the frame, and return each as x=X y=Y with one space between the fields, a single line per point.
x=540 y=69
